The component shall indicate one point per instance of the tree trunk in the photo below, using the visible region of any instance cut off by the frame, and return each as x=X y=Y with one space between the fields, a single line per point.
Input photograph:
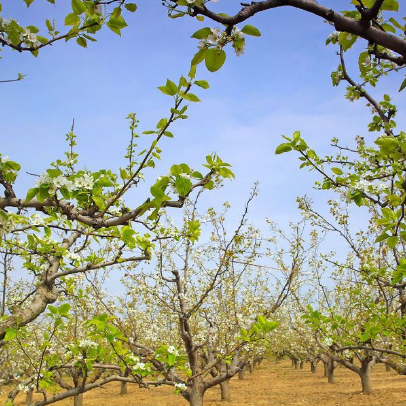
x=196 y=397
x=250 y=367
x=296 y=364
x=365 y=375
x=330 y=371
x=123 y=388
x=78 y=400
x=225 y=391
x=325 y=369
x=313 y=367
x=29 y=396
x=301 y=364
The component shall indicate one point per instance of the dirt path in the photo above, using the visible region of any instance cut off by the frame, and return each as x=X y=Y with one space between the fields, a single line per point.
x=272 y=385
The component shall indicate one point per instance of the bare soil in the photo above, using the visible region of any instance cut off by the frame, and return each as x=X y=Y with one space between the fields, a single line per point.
x=270 y=384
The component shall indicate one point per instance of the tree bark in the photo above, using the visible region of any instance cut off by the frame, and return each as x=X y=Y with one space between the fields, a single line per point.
x=123 y=388
x=301 y=364
x=330 y=371
x=313 y=367
x=225 y=391
x=78 y=400
x=365 y=375
x=196 y=397
x=341 y=22
x=29 y=396
x=241 y=373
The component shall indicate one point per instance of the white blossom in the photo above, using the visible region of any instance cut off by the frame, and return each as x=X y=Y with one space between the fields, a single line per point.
x=173 y=350
x=180 y=386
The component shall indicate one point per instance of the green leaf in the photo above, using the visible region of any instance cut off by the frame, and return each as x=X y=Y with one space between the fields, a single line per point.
x=10 y=334
x=72 y=19
x=49 y=25
x=33 y=29
x=199 y=57
x=164 y=90
x=251 y=30
x=78 y=7
x=183 y=185
x=214 y=59
x=13 y=165
x=347 y=40
x=382 y=237
x=285 y=147
x=202 y=83
x=389 y=28
x=337 y=171
x=123 y=174
x=132 y=7
x=392 y=241
x=105 y=182
x=202 y=33
x=31 y=194
x=171 y=88
x=27 y=2
x=171 y=359
x=403 y=85
x=52 y=309
x=63 y=310
x=82 y=42
x=162 y=123
x=190 y=97
x=117 y=23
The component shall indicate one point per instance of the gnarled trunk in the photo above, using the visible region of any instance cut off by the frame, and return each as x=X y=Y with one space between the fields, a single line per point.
x=225 y=391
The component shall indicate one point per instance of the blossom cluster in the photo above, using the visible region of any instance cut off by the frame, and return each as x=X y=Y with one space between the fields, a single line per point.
x=172 y=350
x=220 y=39
x=180 y=386
x=81 y=182
x=86 y=343
x=71 y=256
x=368 y=186
x=26 y=36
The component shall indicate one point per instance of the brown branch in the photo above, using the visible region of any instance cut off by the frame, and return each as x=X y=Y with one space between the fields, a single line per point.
x=342 y=23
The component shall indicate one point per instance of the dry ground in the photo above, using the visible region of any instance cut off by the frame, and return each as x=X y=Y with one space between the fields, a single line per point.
x=270 y=384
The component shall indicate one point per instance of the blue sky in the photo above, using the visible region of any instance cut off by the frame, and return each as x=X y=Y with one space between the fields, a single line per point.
x=281 y=84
